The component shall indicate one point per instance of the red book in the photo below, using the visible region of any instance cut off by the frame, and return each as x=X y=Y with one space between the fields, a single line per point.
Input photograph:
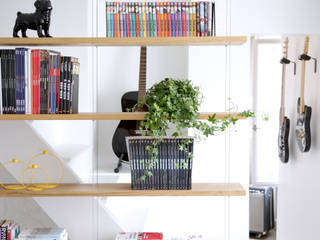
x=127 y=20
x=58 y=83
x=136 y=6
x=184 y=32
x=115 y=20
x=158 y=19
x=38 y=82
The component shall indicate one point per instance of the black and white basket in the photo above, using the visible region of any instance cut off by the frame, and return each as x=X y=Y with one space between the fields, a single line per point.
x=173 y=169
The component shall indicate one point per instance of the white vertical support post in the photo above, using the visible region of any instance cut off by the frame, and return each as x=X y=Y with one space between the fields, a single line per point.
x=227 y=108
x=94 y=79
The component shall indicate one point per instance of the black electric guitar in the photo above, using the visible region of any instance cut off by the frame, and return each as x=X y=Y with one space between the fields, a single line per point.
x=303 y=133
x=130 y=101
x=283 y=136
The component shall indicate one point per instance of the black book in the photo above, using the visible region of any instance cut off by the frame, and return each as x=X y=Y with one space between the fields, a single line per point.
x=44 y=81
x=67 y=85
x=3 y=81
x=12 y=82
x=61 y=85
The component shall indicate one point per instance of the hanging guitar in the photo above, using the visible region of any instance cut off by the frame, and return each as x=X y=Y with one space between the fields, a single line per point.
x=283 y=136
x=130 y=101
x=303 y=133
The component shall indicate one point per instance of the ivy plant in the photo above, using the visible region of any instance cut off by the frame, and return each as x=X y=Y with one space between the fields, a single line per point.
x=177 y=102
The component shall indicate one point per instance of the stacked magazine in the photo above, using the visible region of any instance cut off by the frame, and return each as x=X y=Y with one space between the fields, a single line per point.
x=173 y=167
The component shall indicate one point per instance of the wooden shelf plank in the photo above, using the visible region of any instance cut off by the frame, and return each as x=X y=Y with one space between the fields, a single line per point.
x=161 y=41
x=101 y=116
x=123 y=189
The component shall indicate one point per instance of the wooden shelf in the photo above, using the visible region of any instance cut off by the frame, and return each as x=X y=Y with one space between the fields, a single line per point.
x=100 y=116
x=161 y=41
x=123 y=189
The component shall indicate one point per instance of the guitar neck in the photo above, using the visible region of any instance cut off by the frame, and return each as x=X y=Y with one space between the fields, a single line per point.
x=303 y=75
x=303 y=78
x=283 y=92
x=142 y=73
x=284 y=67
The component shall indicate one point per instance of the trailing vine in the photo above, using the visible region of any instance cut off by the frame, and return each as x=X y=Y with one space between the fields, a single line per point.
x=178 y=102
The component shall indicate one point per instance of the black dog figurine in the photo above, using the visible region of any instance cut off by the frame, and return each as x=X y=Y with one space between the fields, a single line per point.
x=40 y=20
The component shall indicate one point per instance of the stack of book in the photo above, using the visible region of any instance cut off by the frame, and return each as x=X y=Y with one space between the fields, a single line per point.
x=38 y=82
x=172 y=170
x=160 y=19
x=44 y=233
x=139 y=236
x=155 y=236
x=9 y=230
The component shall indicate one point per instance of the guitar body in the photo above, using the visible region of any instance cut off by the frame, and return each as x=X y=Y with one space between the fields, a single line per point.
x=283 y=143
x=125 y=127
x=303 y=132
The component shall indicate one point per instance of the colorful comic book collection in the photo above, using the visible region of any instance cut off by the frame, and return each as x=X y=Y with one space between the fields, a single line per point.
x=38 y=81
x=172 y=171
x=160 y=19
x=9 y=230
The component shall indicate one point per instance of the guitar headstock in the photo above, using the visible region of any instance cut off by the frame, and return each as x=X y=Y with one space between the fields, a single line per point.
x=306 y=45
x=285 y=48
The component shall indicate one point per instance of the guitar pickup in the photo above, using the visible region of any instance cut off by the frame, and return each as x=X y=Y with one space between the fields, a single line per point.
x=305 y=57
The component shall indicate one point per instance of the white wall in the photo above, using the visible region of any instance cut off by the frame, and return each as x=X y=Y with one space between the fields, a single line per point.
x=298 y=200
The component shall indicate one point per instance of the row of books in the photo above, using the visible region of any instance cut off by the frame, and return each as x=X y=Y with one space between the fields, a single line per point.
x=9 y=230
x=155 y=236
x=160 y=19
x=173 y=170
x=38 y=81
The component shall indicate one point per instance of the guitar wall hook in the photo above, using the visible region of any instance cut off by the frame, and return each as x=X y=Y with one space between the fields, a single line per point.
x=305 y=57
x=287 y=61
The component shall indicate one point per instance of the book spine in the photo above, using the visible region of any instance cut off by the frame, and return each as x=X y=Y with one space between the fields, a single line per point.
x=1 y=110
x=154 y=17
x=202 y=19
x=57 y=73
x=17 y=79
x=173 y=32
x=187 y=19
x=209 y=18
x=198 y=18
x=115 y=20
x=54 y=83
x=121 y=19
x=118 y=19
x=136 y=7
x=150 y=19
x=127 y=20
x=140 y=20
x=144 y=23
x=213 y=19
x=23 y=81
x=194 y=19
x=205 y=18
x=133 y=16
x=107 y=20
x=190 y=19
x=161 y=19
x=176 y=23
x=61 y=84
x=3 y=90
x=183 y=15
x=168 y=19
x=158 y=19
x=180 y=19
